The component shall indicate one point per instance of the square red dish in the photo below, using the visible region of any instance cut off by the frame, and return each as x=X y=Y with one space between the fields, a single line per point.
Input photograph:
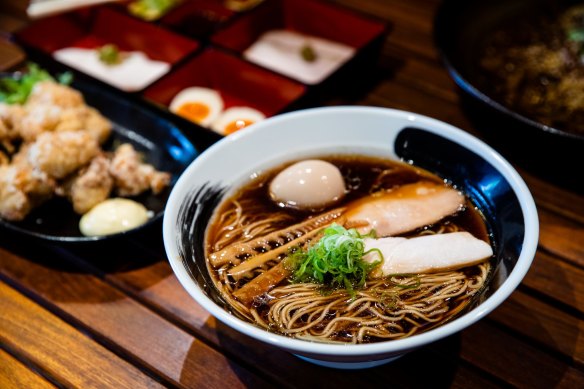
x=91 y=29
x=303 y=27
x=239 y=83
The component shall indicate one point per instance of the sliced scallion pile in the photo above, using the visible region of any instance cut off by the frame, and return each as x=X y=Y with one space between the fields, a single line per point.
x=335 y=261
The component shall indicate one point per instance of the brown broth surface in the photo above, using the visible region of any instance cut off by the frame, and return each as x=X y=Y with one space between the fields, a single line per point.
x=363 y=176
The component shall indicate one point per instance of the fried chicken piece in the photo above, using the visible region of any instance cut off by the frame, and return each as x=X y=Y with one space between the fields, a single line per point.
x=53 y=93
x=21 y=188
x=61 y=153
x=90 y=186
x=38 y=119
x=44 y=118
x=14 y=204
x=132 y=177
x=97 y=125
x=87 y=119
x=10 y=122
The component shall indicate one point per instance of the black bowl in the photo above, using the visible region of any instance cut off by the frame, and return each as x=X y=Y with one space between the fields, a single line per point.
x=459 y=30
x=157 y=139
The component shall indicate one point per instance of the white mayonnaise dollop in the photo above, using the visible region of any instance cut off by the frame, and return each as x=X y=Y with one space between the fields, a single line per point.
x=112 y=216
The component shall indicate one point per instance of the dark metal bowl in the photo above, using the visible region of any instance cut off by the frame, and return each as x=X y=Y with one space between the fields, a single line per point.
x=459 y=29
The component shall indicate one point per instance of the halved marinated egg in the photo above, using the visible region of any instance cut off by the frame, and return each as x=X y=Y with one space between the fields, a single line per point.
x=308 y=184
x=236 y=118
x=199 y=105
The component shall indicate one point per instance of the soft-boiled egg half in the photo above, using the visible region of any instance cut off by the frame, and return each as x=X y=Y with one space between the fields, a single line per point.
x=197 y=104
x=236 y=118
x=309 y=184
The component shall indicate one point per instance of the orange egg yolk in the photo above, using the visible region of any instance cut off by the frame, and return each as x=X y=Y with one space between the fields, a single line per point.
x=194 y=111
x=237 y=125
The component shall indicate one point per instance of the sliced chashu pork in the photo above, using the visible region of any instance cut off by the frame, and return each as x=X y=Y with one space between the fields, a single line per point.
x=426 y=254
x=404 y=209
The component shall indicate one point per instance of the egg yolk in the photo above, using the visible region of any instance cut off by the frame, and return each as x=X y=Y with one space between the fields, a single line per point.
x=194 y=111
x=237 y=125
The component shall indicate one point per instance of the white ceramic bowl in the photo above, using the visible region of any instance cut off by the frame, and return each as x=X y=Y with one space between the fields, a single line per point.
x=469 y=163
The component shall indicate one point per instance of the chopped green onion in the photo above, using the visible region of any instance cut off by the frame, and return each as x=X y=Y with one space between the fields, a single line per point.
x=16 y=90
x=335 y=261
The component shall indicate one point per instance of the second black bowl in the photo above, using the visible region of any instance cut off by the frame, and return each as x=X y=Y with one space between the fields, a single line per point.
x=459 y=31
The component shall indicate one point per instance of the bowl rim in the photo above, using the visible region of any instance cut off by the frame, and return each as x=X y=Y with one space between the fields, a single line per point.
x=437 y=127
x=443 y=18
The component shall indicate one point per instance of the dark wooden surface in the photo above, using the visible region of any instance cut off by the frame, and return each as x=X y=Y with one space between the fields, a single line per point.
x=116 y=316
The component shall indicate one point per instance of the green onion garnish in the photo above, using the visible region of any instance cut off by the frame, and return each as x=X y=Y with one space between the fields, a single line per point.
x=335 y=261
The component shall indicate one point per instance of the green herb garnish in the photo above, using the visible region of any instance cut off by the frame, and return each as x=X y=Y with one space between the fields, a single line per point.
x=110 y=54
x=15 y=90
x=308 y=54
x=335 y=261
x=151 y=9
x=576 y=35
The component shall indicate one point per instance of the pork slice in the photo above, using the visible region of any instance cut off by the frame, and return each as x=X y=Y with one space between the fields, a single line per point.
x=404 y=209
x=426 y=254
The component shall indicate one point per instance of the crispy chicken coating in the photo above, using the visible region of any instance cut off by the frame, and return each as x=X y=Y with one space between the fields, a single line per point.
x=133 y=177
x=10 y=122
x=38 y=119
x=61 y=153
x=21 y=188
x=52 y=107
x=92 y=185
x=54 y=94
x=97 y=125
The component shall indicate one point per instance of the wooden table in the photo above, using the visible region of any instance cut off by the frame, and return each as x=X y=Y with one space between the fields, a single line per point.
x=117 y=317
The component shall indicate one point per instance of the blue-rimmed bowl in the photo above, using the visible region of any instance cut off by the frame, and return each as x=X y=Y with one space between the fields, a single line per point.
x=491 y=182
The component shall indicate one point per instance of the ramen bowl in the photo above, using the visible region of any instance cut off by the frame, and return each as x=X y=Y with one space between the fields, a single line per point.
x=472 y=166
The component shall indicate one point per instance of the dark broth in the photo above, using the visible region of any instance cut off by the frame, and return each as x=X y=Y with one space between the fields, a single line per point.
x=363 y=176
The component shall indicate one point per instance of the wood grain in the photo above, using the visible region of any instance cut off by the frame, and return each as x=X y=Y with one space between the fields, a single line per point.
x=126 y=326
x=14 y=374
x=515 y=362
x=59 y=349
x=557 y=280
x=543 y=324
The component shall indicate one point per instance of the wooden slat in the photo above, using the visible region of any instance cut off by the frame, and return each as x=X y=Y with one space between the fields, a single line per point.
x=544 y=324
x=59 y=349
x=392 y=94
x=557 y=279
x=411 y=23
x=561 y=237
x=13 y=374
x=146 y=337
x=514 y=361
x=556 y=199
